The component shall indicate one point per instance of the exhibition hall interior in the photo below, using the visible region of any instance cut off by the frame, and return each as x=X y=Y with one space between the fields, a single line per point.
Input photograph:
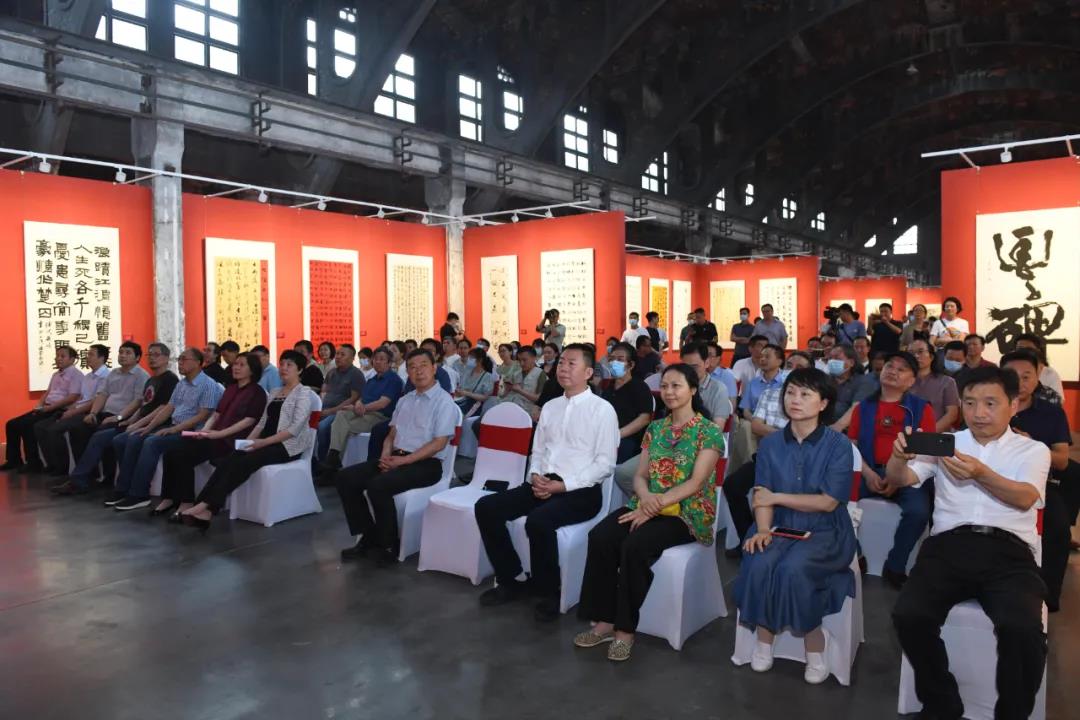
x=540 y=358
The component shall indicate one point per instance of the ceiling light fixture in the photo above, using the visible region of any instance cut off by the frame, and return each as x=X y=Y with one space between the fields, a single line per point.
x=44 y=166
x=548 y=213
x=1006 y=155
x=321 y=205
x=514 y=217
x=911 y=69
x=263 y=197
x=381 y=214
x=426 y=220
x=121 y=176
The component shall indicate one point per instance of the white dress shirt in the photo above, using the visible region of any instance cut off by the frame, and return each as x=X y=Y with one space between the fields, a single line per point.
x=745 y=370
x=577 y=438
x=420 y=417
x=92 y=382
x=966 y=502
x=632 y=334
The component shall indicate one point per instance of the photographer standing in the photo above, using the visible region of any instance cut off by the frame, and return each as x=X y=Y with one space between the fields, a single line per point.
x=847 y=327
x=552 y=330
x=885 y=333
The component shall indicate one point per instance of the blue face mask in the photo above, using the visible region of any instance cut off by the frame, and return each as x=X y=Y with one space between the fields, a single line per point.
x=618 y=368
x=836 y=367
x=952 y=366
x=470 y=364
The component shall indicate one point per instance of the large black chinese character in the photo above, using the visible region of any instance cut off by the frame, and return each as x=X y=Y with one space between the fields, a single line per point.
x=1021 y=258
x=1035 y=321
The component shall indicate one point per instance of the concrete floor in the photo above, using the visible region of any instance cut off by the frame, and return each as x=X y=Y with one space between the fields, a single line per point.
x=119 y=616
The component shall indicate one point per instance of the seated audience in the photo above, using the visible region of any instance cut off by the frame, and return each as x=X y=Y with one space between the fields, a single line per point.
x=549 y=358
x=745 y=369
x=917 y=327
x=477 y=382
x=935 y=387
x=885 y=333
x=378 y=398
x=65 y=387
x=803 y=482
x=1048 y=376
x=312 y=375
x=363 y=360
x=632 y=400
x=230 y=349
x=950 y=326
x=876 y=363
x=342 y=387
x=574 y=449
x=852 y=385
x=50 y=432
x=982 y=547
x=724 y=376
x=327 y=354
x=142 y=444
x=648 y=361
x=862 y=353
x=633 y=330
x=156 y=391
x=657 y=335
x=953 y=360
x=714 y=397
x=451 y=361
x=240 y=407
x=674 y=503
x=280 y=436
x=875 y=423
x=526 y=392
x=508 y=371
x=422 y=426
x=212 y=363
x=269 y=378
x=769 y=362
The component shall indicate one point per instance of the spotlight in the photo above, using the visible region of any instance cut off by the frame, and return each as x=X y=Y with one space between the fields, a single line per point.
x=514 y=217
x=911 y=69
x=426 y=220
x=121 y=176
x=44 y=166
x=1006 y=155
x=322 y=204
x=381 y=214
x=548 y=213
x=482 y=222
x=263 y=197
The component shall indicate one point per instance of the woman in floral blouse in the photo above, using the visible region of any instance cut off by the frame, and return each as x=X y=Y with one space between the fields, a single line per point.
x=674 y=504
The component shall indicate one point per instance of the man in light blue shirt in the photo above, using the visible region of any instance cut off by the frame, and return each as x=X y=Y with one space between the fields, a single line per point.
x=849 y=328
x=271 y=379
x=771 y=359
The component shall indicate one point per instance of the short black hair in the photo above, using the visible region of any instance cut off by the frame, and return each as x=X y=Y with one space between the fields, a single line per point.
x=812 y=379
x=381 y=350
x=843 y=306
x=327 y=343
x=230 y=346
x=699 y=349
x=633 y=313
x=776 y=349
x=715 y=346
x=69 y=350
x=975 y=336
x=197 y=354
x=631 y=353
x=161 y=348
x=744 y=310
x=1031 y=338
x=588 y=353
x=642 y=340
x=348 y=346
x=758 y=338
x=306 y=344
x=1021 y=355
x=526 y=350
x=366 y=352
x=990 y=375
x=133 y=346
x=214 y=348
x=420 y=352
x=955 y=345
x=260 y=349
x=297 y=358
x=954 y=299
x=400 y=345
x=699 y=310
x=803 y=354
x=652 y=315
x=452 y=316
x=860 y=337
x=253 y=364
x=885 y=305
x=102 y=350
x=767 y=305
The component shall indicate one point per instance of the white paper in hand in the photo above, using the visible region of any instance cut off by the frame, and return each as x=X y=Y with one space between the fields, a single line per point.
x=244 y=444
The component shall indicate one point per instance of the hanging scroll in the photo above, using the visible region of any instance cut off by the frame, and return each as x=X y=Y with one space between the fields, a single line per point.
x=72 y=292
x=566 y=284
x=1026 y=266
x=660 y=302
x=681 y=306
x=499 y=295
x=782 y=294
x=726 y=297
x=331 y=295
x=633 y=294
x=240 y=293
x=410 y=296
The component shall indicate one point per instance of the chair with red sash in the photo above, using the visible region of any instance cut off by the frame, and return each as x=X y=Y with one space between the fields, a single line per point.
x=450 y=541
x=468 y=447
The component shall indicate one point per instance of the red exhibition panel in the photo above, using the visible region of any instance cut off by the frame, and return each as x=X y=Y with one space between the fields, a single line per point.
x=331 y=301
x=924 y=296
x=662 y=269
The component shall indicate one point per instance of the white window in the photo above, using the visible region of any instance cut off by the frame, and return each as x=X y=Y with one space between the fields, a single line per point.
x=720 y=202
x=655 y=176
x=124 y=23
x=788 y=208
x=576 y=141
x=470 y=108
x=748 y=194
x=908 y=242
x=398 y=96
x=611 y=147
x=207 y=33
x=765 y=220
x=871 y=242
x=312 y=36
x=818 y=223
x=512 y=101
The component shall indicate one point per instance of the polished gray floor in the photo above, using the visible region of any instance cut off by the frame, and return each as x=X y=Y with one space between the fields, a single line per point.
x=104 y=615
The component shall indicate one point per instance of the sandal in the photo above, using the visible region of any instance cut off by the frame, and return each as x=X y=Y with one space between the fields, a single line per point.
x=619 y=651
x=590 y=639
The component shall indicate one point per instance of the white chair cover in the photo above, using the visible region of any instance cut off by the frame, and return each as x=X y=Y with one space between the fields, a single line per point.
x=653 y=382
x=450 y=541
x=468 y=446
x=356 y=449
x=880 y=519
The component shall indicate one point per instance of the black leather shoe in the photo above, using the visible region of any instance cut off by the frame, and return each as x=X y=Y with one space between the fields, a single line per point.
x=68 y=488
x=502 y=594
x=547 y=610
x=355 y=552
x=894 y=579
x=385 y=558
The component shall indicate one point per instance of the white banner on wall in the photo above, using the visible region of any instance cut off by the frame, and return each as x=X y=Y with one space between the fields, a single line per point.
x=681 y=306
x=499 y=295
x=410 y=293
x=783 y=295
x=566 y=284
x=1026 y=269
x=72 y=292
x=726 y=297
x=633 y=295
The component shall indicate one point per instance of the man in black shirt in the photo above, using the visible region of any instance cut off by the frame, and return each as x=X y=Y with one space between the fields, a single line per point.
x=632 y=400
x=703 y=330
x=311 y=376
x=648 y=361
x=885 y=333
x=212 y=363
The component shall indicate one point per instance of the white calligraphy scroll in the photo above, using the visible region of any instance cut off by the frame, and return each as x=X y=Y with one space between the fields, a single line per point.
x=351 y=258
x=499 y=295
x=681 y=306
x=72 y=292
x=726 y=297
x=566 y=284
x=633 y=295
x=872 y=307
x=1026 y=269
x=783 y=295
x=410 y=293
x=239 y=306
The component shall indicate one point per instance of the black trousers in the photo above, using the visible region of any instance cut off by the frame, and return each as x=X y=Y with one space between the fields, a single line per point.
x=235 y=470
x=80 y=435
x=22 y=443
x=736 y=487
x=618 y=571
x=1057 y=533
x=380 y=529
x=178 y=468
x=1002 y=575
x=542 y=519
x=50 y=436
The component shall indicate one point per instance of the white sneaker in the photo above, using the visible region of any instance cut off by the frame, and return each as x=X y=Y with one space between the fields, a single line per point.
x=761 y=660
x=817 y=670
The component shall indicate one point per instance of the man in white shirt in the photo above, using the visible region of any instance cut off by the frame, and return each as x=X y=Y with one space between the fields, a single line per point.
x=657 y=334
x=574 y=450
x=50 y=433
x=634 y=331
x=746 y=369
x=983 y=547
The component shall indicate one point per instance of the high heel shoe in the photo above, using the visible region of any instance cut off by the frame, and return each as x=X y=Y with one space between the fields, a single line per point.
x=158 y=511
x=176 y=518
x=192 y=521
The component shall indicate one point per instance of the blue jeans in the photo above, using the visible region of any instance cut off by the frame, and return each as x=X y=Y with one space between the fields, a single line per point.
x=96 y=451
x=139 y=457
x=915 y=505
x=322 y=436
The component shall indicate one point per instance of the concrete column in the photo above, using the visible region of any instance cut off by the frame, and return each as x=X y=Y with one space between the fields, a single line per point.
x=446 y=195
x=160 y=145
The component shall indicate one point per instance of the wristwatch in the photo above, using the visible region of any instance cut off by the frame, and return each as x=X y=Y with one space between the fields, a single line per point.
x=119 y=418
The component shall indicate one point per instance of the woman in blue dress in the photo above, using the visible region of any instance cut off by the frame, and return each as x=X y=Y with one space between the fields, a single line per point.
x=803 y=481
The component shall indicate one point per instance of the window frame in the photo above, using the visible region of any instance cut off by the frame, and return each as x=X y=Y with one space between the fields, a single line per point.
x=206 y=40
x=395 y=97
x=580 y=134
x=476 y=100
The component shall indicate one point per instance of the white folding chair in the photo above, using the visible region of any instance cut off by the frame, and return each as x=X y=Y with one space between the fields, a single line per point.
x=468 y=446
x=280 y=492
x=356 y=449
x=411 y=503
x=450 y=541
x=880 y=518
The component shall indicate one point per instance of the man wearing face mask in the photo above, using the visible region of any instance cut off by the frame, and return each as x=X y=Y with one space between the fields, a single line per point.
x=634 y=331
x=685 y=333
x=741 y=333
x=953 y=363
x=630 y=397
x=852 y=385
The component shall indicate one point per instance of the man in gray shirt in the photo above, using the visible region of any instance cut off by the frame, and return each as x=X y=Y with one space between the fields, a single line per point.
x=421 y=429
x=771 y=327
x=340 y=390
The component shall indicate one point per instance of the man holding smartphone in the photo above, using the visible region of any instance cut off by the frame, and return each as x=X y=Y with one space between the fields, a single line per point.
x=983 y=547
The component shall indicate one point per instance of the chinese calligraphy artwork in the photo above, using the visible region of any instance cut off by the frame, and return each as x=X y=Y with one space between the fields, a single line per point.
x=331 y=295
x=659 y=301
x=499 y=295
x=633 y=294
x=725 y=299
x=837 y=302
x=872 y=305
x=681 y=306
x=566 y=284
x=410 y=296
x=72 y=292
x=241 y=295
x=1026 y=266
x=782 y=294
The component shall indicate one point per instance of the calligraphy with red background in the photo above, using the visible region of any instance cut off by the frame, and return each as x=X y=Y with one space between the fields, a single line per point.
x=331 y=288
